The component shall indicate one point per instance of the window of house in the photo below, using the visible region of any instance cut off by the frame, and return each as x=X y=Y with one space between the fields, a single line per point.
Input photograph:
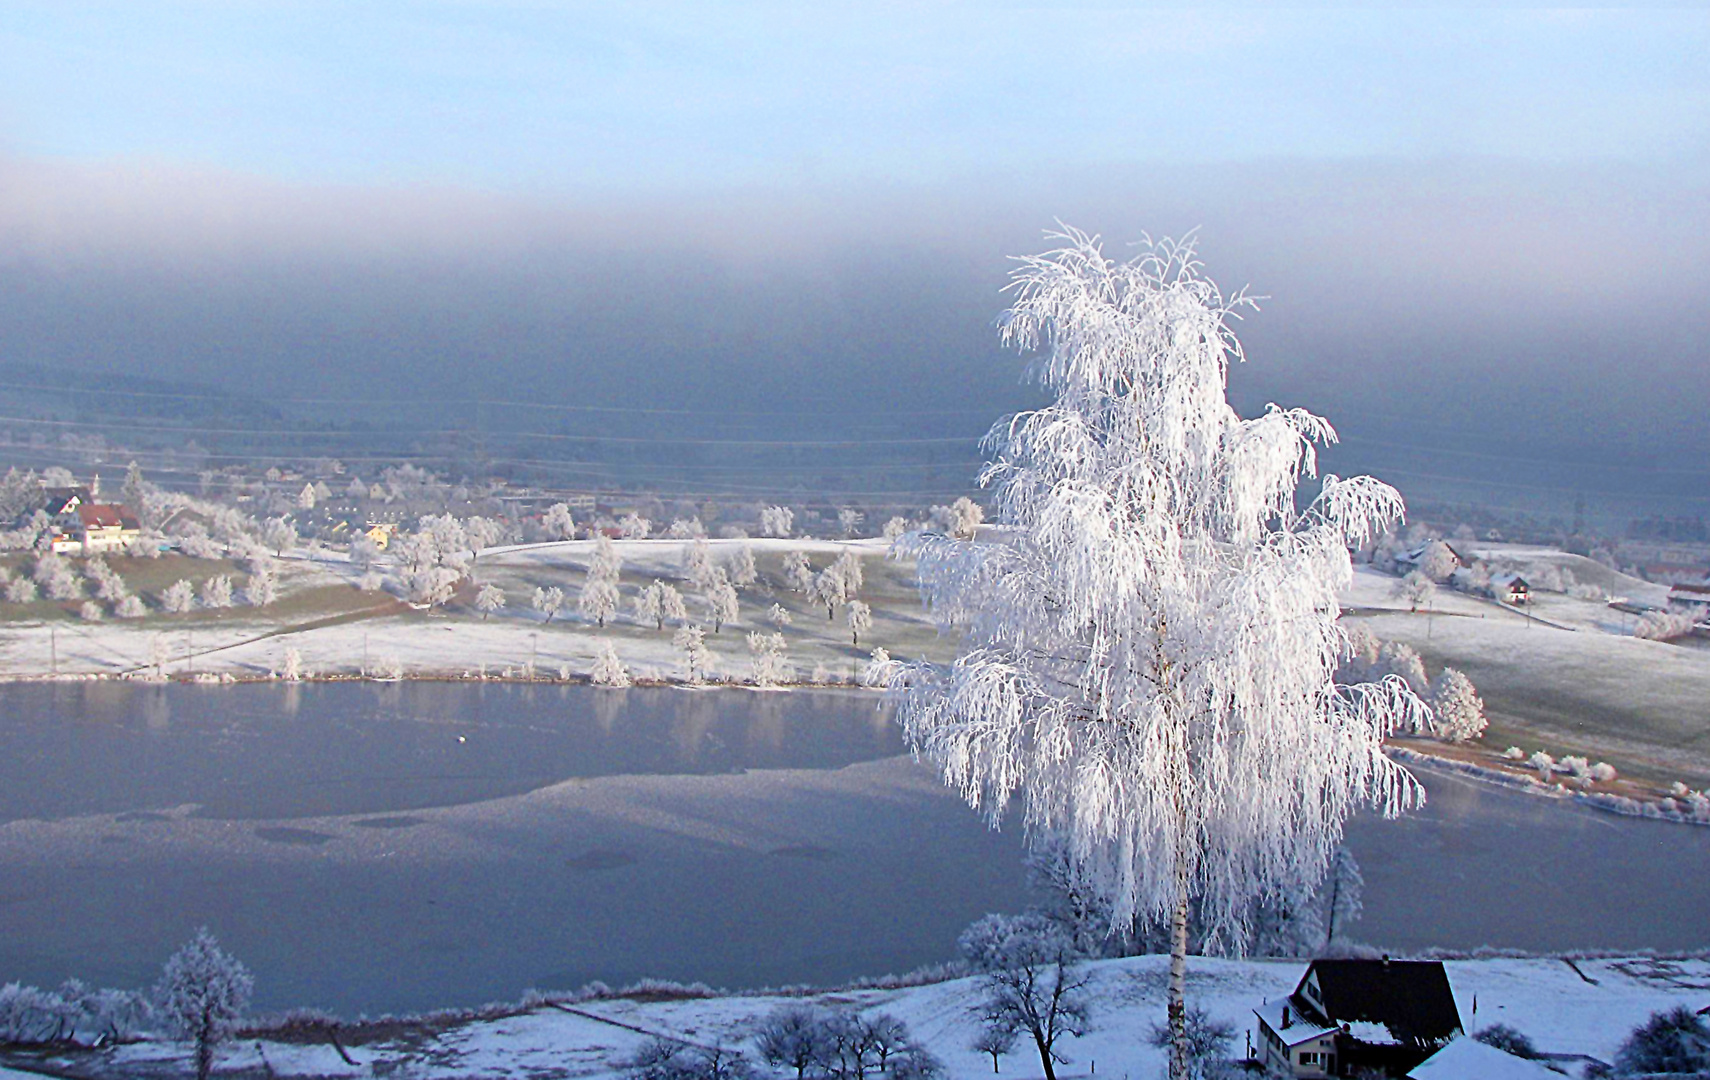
x=1309 y=1057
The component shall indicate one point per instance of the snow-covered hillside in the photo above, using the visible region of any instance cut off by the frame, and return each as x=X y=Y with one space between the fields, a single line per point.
x=1584 y=1008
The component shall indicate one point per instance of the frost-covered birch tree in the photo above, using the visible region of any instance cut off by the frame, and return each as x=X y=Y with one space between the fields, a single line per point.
x=1147 y=652
x=202 y=994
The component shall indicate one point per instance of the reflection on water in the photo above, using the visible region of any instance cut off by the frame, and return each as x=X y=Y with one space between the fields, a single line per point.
x=297 y=750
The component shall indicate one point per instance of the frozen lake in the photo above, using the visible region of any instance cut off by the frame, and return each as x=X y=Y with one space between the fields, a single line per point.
x=371 y=848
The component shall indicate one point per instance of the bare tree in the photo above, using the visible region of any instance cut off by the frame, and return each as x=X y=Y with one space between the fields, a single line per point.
x=1032 y=982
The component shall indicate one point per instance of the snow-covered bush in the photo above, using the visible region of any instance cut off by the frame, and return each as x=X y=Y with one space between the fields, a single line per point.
x=131 y=607
x=608 y=670
x=1575 y=766
x=216 y=592
x=777 y=521
x=1209 y=1043
x=767 y=654
x=878 y=671
x=1675 y=1041
x=1514 y=753
x=1663 y=625
x=1457 y=710
x=779 y=616
x=21 y=590
x=202 y=994
x=1602 y=772
x=90 y=611
x=1543 y=763
x=292 y=669
x=178 y=597
x=691 y=641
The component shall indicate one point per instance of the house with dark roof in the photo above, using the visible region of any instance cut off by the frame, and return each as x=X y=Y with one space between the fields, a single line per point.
x=1346 y=1016
x=1693 y=599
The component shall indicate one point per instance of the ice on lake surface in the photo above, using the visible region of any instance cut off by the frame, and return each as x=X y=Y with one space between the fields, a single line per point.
x=381 y=848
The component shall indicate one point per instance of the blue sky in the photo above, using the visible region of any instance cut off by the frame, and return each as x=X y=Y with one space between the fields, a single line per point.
x=542 y=96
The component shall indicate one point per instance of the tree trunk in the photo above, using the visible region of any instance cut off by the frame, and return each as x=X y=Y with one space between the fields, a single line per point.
x=1180 y=1065
x=1045 y=1058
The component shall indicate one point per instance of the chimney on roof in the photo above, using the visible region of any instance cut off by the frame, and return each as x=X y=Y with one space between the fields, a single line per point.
x=1285 y=1016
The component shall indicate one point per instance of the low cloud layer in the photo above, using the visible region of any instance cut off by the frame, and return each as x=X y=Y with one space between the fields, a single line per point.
x=1470 y=306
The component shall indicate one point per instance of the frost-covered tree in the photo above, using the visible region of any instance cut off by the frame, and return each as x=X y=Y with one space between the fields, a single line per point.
x=598 y=599
x=1456 y=708
x=960 y=519
x=1148 y=653
x=698 y=566
x=90 y=611
x=849 y=520
x=691 y=641
x=488 y=599
x=364 y=552
x=766 y=655
x=1415 y=588
x=721 y=601
x=216 y=592
x=1543 y=763
x=798 y=572
x=1031 y=980
x=742 y=571
x=777 y=521
x=1674 y=1040
x=606 y=564
x=608 y=669
x=860 y=621
x=779 y=616
x=660 y=601
x=894 y=528
x=549 y=601
x=830 y=588
x=877 y=671
x=202 y=994
x=291 y=669
x=1437 y=561
x=1403 y=661
x=634 y=527
x=262 y=588
x=432 y=585
x=279 y=534
x=21 y=590
x=686 y=529
x=558 y=522
x=1344 y=895
x=130 y=607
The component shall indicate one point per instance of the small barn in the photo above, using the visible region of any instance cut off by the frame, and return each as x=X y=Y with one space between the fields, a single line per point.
x=1510 y=588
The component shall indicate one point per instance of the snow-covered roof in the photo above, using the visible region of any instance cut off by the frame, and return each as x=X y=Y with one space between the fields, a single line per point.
x=1469 y=1059
x=1295 y=1031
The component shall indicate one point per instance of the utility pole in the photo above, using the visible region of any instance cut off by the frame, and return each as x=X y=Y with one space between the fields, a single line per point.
x=365 y=654
x=53 y=648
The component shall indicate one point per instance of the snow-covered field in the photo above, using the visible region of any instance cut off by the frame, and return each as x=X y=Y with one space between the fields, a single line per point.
x=339 y=630
x=1592 y=690
x=1584 y=1010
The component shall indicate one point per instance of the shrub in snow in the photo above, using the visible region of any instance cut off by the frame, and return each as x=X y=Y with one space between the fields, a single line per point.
x=1508 y=1040
x=216 y=592
x=777 y=520
x=1394 y=658
x=608 y=670
x=1456 y=708
x=292 y=669
x=1574 y=766
x=779 y=616
x=1678 y=789
x=178 y=598
x=1602 y=772
x=21 y=591
x=767 y=658
x=1544 y=763
x=1673 y=1041
x=1208 y=1044
x=1663 y=625
x=878 y=671
x=90 y=611
x=131 y=607
x=1514 y=753
x=203 y=992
